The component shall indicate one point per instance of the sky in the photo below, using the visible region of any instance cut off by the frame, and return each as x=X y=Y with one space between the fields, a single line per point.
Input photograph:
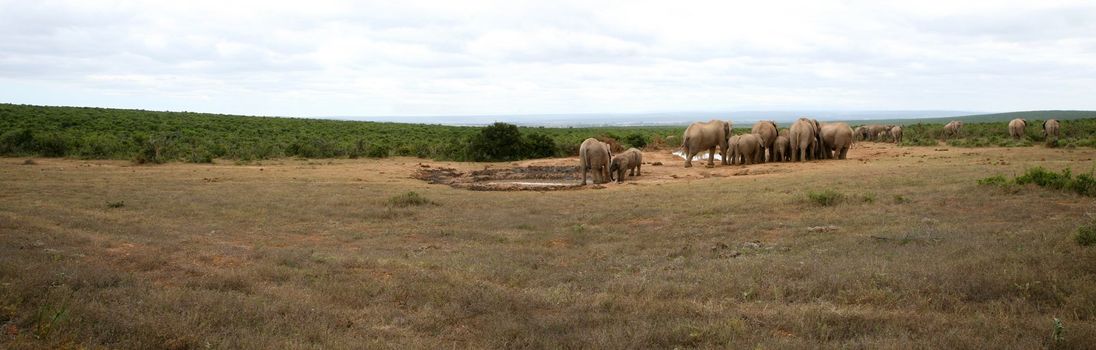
x=419 y=58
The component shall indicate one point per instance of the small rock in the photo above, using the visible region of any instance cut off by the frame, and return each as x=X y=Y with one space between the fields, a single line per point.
x=754 y=244
x=822 y=228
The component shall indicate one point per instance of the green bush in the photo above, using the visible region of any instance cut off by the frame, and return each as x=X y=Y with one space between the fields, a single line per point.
x=826 y=198
x=1086 y=235
x=51 y=144
x=636 y=140
x=17 y=141
x=538 y=146
x=993 y=181
x=409 y=199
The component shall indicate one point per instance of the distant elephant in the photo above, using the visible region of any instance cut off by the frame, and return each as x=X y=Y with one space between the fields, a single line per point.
x=767 y=131
x=952 y=128
x=732 y=144
x=803 y=140
x=896 y=134
x=836 y=140
x=749 y=148
x=706 y=136
x=595 y=156
x=629 y=160
x=817 y=139
x=783 y=148
x=1016 y=128
x=860 y=133
x=1050 y=130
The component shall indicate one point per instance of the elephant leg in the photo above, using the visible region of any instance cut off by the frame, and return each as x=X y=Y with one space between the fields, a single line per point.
x=584 y=175
x=711 y=157
x=689 y=154
x=638 y=168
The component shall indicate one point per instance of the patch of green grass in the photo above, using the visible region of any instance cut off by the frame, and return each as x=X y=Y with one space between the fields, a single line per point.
x=826 y=197
x=1086 y=235
x=900 y=199
x=997 y=180
x=117 y=204
x=409 y=199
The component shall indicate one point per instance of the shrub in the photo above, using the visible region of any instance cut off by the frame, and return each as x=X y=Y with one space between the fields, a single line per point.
x=497 y=142
x=636 y=140
x=51 y=145
x=409 y=199
x=1045 y=178
x=826 y=198
x=378 y=151
x=1086 y=235
x=16 y=141
x=539 y=146
x=993 y=181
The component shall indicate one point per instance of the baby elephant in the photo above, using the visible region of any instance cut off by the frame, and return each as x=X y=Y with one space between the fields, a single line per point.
x=628 y=160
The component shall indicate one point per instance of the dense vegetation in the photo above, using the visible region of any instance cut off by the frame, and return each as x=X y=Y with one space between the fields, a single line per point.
x=150 y=136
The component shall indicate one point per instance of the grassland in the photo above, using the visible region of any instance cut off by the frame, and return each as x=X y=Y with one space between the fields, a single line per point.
x=909 y=251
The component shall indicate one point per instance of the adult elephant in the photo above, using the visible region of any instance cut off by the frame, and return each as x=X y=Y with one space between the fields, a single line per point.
x=732 y=144
x=836 y=140
x=896 y=134
x=766 y=130
x=1050 y=131
x=1016 y=128
x=952 y=128
x=818 y=154
x=803 y=140
x=595 y=156
x=706 y=136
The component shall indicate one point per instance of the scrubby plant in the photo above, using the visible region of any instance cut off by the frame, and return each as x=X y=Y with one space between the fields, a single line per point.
x=1086 y=235
x=409 y=199
x=825 y=198
x=636 y=140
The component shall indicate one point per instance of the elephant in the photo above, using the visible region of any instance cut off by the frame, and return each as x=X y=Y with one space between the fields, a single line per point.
x=732 y=143
x=706 y=136
x=1016 y=128
x=836 y=140
x=817 y=139
x=767 y=131
x=629 y=160
x=595 y=156
x=1050 y=131
x=803 y=138
x=896 y=134
x=749 y=148
x=782 y=146
x=860 y=133
x=952 y=128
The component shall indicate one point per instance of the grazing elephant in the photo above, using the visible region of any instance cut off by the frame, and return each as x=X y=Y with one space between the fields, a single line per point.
x=803 y=140
x=706 y=136
x=749 y=148
x=766 y=130
x=836 y=140
x=783 y=148
x=1050 y=131
x=595 y=156
x=896 y=134
x=732 y=144
x=629 y=160
x=1016 y=128
x=952 y=128
x=860 y=133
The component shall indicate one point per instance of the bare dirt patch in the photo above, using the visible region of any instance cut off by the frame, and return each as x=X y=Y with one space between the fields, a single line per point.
x=531 y=177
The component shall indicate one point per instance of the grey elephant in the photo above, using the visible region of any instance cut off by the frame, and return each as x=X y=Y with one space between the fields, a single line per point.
x=783 y=148
x=952 y=128
x=732 y=143
x=803 y=139
x=1050 y=131
x=749 y=148
x=860 y=133
x=767 y=131
x=595 y=156
x=836 y=140
x=706 y=137
x=817 y=139
x=896 y=134
x=1016 y=128
x=629 y=160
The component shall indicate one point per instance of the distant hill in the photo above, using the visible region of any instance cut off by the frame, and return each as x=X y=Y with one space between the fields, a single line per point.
x=985 y=118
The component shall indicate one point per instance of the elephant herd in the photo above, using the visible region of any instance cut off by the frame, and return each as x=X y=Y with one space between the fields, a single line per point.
x=806 y=139
x=877 y=132
x=1050 y=129
x=597 y=157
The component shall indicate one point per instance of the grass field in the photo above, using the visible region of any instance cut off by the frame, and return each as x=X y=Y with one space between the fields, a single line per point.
x=894 y=248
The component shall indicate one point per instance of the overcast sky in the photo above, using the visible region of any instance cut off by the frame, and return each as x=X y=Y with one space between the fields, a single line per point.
x=360 y=58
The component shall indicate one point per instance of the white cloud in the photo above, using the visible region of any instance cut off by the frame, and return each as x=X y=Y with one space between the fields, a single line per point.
x=496 y=57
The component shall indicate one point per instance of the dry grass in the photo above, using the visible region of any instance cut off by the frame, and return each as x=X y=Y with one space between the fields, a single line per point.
x=297 y=255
